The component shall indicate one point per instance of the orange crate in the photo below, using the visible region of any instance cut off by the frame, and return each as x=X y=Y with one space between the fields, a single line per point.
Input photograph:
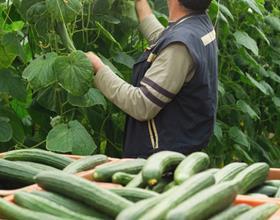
x=274 y=174
x=240 y=199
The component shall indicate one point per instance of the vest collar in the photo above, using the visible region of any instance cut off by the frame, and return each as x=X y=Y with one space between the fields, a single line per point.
x=175 y=23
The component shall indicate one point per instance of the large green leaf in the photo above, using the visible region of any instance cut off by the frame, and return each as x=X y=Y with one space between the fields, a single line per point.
x=6 y=58
x=276 y=101
x=12 y=84
x=125 y=59
x=243 y=154
x=268 y=87
x=12 y=44
x=239 y=137
x=64 y=10
x=91 y=98
x=218 y=132
x=74 y=73
x=109 y=63
x=247 y=109
x=10 y=48
x=23 y=5
x=36 y=12
x=226 y=11
x=39 y=73
x=245 y=40
x=274 y=22
x=106 y=34
x=262 y=34
x=6 y=131
x=70 y=137
x=52 y=98
x=253 y=5
x=16 y=124
x=274 y=76
x=258 y=85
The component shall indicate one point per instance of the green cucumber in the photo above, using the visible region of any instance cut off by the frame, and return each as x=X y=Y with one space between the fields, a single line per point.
x=39 y=166
x=137 y=182
x=206 y=203
x=158 y=164
x=213 y=171
x=86 y=163
x=19 y=173
x=39 y=156
x=105 y=172
x=229 y=172
x=262 y=212
x=134 y=194
x=186 y=190
x=13 y=212
x=277 y=194
x=71 y=204
x=84 y=191
x=160 y=186
x=136 y=210
x=253 y=176
x=193 y=164
x=39 y=204
x=169 y=186
x=275 y=183
x=232 y=212
x=122 y=178
x=266 y=190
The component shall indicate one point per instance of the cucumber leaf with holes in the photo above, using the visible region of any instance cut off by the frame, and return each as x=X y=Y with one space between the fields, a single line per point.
x=39 y=73
x=74 y=73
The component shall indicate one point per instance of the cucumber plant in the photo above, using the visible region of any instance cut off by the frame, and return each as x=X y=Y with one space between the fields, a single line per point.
x=47 y=98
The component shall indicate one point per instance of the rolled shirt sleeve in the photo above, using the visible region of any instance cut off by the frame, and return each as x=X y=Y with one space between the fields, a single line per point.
x=165 y=78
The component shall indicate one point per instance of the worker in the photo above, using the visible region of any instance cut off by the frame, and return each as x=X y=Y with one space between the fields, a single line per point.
x=172 y=101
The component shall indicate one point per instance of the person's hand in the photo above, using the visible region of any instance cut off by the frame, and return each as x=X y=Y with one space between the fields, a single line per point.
x=95 y=60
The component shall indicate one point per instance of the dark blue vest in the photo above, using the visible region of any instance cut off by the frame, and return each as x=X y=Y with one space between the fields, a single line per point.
x=186 y=123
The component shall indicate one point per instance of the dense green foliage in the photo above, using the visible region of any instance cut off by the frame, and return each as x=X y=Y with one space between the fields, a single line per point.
x=46 y=94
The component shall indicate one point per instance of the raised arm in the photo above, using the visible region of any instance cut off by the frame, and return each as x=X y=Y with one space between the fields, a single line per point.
x=143 y=9
x=150 y=27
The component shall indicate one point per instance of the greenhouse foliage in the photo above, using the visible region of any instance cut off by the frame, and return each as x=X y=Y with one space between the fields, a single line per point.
x=41 y=44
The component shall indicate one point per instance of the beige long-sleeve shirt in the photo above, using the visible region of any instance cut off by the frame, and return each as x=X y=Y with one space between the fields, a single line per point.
x=170 y=70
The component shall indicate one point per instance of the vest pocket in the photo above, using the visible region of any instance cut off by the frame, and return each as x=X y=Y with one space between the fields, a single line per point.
x=153 y=133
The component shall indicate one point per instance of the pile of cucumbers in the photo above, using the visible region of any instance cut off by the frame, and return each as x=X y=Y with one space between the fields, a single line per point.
x=168 y=185
x=19 y=167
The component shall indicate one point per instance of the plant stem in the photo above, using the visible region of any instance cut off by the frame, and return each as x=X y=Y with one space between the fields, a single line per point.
x=65 y=37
